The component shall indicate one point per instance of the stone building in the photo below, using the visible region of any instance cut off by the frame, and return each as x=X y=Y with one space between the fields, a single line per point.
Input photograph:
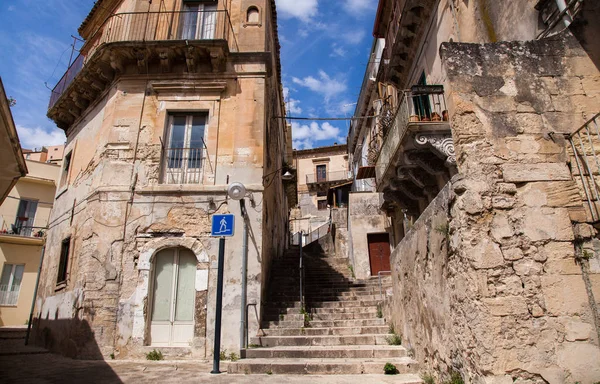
x=50 y=154
x=169 y=103
x=24 y=219
x=319 y=170
x=484 y=153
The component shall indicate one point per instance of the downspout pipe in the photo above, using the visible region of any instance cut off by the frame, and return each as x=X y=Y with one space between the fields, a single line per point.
x=244 y=275
x=35 y=291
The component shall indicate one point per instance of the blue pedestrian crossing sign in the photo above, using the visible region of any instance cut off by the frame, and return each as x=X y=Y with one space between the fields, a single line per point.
x=222 y=225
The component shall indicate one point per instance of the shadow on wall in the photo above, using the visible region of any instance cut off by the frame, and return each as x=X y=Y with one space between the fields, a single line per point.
x=586 y=29
x=69 y=337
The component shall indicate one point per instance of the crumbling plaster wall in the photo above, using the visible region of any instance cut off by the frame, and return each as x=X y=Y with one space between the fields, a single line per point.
x=114 y=154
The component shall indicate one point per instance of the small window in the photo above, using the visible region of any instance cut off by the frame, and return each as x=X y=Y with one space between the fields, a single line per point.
x=253 y=15
x=64 y=261
x=322 y=205
x=185 y=149
x=10 y=283
x=64 y=178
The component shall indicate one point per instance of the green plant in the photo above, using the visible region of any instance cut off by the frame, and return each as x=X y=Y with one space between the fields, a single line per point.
x=444 y=229
x=390 y=369
x=154 y=355
x=112 y=356
x=379 y=311
x=234 y=356
x=394 y=339
x=281 y=317
x=253 y=346
x=391 y=329
x=307 y=317
x=351 y=268
x=11 y=101
x=269 y=372
x=427 y=378
x=223 y=355
x=455 y=378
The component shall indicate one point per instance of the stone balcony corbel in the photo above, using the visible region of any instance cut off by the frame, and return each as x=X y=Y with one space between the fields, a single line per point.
x=441 y=143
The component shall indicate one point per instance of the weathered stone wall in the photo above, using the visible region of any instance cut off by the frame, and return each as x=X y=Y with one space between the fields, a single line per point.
x=424 y=293
x=519 y=302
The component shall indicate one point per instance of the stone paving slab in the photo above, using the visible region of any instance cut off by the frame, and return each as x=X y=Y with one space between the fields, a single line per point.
x=55 y=369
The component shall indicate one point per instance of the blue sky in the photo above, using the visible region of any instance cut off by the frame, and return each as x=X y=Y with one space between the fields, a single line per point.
x=324 y=53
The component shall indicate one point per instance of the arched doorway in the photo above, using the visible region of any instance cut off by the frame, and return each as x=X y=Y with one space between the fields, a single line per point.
x=173 y=296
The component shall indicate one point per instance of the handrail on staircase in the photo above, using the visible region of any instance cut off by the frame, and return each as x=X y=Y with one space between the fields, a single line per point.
x=380 y=284
x=301 y=272
x=245 y=346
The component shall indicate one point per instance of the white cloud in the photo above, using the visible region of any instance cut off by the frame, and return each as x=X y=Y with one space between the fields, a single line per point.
x=305 y=135
x=301 y=9
x=359 y=7
x=292 y=105
x=38 y=137
x=337 y=51
x=354 y=36
x=324 y=85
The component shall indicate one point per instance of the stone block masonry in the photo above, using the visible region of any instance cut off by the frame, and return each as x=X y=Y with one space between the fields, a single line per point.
x=496 y=280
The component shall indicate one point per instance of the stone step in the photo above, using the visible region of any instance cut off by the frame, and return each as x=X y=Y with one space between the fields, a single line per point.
x=321 y=316
x=276 y=341
x=353 y=309
x=13 y=332
x=324 y=331
x=322 y=366
x=346 y=303
x=320 y=352
x=325 y=323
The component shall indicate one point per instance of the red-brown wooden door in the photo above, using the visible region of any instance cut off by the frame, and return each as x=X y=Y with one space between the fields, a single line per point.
x=379 y=252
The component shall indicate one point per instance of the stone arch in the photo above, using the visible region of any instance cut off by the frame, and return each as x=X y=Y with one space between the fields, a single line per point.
x=151 y=248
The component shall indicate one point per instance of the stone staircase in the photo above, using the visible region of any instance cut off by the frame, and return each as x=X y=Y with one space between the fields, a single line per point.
x=341 y=330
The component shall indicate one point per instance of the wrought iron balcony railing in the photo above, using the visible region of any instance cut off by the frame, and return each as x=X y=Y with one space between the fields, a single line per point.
x=183 y=165
x=423 y=105
x=328 y=177
x=554 y=12
x=136 y=27
x=25 y=231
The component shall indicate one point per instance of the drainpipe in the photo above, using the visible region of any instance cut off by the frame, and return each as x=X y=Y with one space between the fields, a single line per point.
x=244 y=275
x=37 y=282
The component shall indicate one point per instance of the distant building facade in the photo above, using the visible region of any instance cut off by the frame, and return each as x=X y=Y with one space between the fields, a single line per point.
x=24 y=217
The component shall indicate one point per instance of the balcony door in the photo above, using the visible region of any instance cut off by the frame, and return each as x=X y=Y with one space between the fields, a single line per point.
x=199 y=21
x=25 y=217
x=321 y=173
x=173 y=296
x=184 y=150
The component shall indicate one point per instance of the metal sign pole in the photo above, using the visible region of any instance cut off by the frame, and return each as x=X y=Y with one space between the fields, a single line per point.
x=219 y=302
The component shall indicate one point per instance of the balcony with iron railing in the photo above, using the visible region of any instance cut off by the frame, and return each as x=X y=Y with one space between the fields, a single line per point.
x=181 y=39
x=557 y=14
x=328 y=177
x=421 y=120
x=183 y=165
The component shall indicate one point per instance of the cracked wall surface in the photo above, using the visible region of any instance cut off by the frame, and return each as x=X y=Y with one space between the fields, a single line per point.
x=119 y=213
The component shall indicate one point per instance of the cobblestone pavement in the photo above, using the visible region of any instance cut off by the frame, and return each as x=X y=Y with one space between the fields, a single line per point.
x=46 y=368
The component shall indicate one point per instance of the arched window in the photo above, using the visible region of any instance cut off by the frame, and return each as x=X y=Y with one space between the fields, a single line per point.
x=253 y=15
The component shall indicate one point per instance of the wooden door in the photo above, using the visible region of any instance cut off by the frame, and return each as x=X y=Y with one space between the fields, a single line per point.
x=379 y=252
